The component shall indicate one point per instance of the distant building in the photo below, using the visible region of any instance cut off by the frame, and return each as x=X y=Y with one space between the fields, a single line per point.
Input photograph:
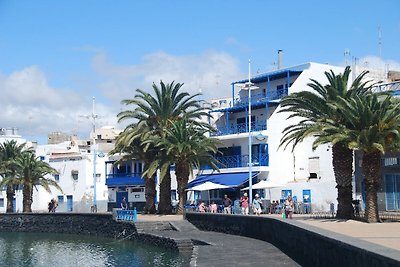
x=58 y=137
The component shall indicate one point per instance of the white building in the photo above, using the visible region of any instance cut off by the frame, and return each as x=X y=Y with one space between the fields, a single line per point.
x=307 y=175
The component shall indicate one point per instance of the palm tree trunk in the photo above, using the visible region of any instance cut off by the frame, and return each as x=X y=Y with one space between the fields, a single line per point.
x=342 y=161
x=150 y=192
x=10 y=198
x=371 y=168
x=165 y=206
x=27 y=198
x=182 y=178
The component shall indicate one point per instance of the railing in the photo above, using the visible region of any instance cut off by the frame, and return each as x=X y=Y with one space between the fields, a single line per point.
x=261 y=98
x=125 y=215
x=239 y=161
x=240 y=128
x=122 y=175
x=387 y=87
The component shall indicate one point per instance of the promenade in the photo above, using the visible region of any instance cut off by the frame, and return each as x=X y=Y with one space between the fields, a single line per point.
x=382 y=238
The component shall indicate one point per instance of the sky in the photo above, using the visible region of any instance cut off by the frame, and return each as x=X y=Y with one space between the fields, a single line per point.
x=55 y=56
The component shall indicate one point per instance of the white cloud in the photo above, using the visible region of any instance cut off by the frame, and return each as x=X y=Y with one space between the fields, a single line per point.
x=30 y=104
x=377 y=63
x=212 y=72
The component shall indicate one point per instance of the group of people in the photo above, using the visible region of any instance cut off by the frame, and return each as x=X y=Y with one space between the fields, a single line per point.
x=256 y=206
x=52 y=206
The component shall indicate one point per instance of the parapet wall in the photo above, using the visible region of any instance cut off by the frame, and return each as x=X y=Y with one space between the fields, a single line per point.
x=71 y=223
x=308 y=247
x=97 y=224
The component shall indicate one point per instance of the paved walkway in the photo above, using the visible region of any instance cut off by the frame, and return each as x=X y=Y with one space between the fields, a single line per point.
x=217 y=249
x=382 y=237
x=383 y=234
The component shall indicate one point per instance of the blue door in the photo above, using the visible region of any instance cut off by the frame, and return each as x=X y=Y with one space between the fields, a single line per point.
x=14 y=205
x=392 y=186
x=120 y=196
x=70 y=203
x=307 y=200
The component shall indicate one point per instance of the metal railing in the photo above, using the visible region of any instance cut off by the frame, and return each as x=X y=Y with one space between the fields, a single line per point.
x=240 y=128
x=121 y=175
x=125 y=215
x=261 y=98
x=238 y=161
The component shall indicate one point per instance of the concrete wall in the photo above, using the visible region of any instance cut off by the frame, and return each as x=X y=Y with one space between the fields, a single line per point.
x=71 y=223
x=306 y=247
x=90 y=224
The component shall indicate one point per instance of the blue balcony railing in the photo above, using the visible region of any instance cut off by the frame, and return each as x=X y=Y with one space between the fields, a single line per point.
x=124 y=179
x=262 y=98
x=240 y=128
x=239 y=161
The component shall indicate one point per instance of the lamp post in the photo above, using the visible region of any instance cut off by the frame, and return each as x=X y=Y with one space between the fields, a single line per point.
x=250 y=86
x=93 y=116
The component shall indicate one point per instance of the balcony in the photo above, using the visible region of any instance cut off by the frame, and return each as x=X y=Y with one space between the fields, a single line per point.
x=124 y=179
x=239 y=128
x=241 y=161
x=261 y=98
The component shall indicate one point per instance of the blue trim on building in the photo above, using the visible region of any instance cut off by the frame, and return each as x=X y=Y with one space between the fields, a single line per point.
x=113 y=181
x=228 y=179
x=275 y=75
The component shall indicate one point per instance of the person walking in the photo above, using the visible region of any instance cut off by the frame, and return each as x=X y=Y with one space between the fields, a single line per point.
x=244 y=202
x=227 y=204
x=124 y=204
x=257 y=205
x=289 y=207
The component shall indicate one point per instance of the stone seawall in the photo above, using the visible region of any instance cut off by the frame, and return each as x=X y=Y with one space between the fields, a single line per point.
x=307 y=246
x=71 y=223
x=97 y=224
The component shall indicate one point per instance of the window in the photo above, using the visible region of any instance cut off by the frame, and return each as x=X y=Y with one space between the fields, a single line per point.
x=173 y=195
x=41 y=158
x=313 y=167
x=75 y=175
x=137 y=189
x=390 y=161
x=57 y=177
x=279 y=87
x=1 y=202
x=60 y=199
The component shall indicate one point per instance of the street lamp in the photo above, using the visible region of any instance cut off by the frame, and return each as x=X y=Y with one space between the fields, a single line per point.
x=250 y=86
x=93 y=116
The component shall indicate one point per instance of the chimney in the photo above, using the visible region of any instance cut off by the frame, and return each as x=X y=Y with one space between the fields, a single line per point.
x=280 y=58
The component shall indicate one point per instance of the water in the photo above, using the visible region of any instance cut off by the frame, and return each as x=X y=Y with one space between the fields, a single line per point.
x=45 y=250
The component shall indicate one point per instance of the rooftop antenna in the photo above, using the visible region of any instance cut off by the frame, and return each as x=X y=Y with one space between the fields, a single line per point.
x=380 y=41
x=346 y=56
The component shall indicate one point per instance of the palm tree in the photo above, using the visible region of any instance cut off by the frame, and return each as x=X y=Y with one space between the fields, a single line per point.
x=157 y=113
x=129 y=142
x=9 y=152
x=186 y=146
x=316 y=106
x=373 y=127
x=32 y=173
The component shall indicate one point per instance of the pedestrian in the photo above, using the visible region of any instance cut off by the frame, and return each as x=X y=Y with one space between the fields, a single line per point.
x=124 y=204
x=50 y=205
x=289 y=207
x=213 y=207
x=53 y=206
x=227 y=204
x=257 y=205
x=272 y=207
x=202 y=206
x=244 y=202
